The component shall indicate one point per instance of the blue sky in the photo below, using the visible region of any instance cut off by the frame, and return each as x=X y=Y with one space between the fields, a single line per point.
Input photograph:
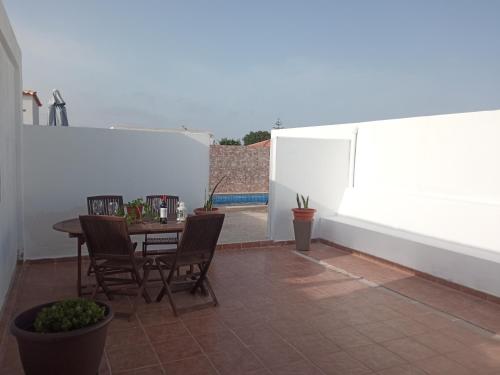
x=235 y=66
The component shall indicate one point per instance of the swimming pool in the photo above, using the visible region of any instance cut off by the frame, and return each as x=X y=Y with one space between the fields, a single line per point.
x=241 y=199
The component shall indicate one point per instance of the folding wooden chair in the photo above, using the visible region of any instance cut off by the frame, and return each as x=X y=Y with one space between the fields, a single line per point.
x=154 y=202
x=196 y=248
x=104 y=204
x=112 y=257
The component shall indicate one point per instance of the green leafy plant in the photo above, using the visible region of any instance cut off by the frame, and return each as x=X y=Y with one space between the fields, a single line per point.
x=230 y=142
x=209 y=202
x=68 y=315
x=254 y=137
x=134 y=210
x=302 y=202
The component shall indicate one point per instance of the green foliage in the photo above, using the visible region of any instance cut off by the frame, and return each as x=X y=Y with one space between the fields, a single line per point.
x=230 y=142
x=139 y=202
x=302 y=201
x=254 y=137
x=132 y=215
x=210 y=201
x=68 y=315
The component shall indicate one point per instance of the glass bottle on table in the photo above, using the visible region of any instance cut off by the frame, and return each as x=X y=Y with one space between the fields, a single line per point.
x=163 y=210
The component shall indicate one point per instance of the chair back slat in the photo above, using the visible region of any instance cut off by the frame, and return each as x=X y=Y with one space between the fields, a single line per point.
x=200 y=235
x=154 y=201
x=106 y=235
x=104 y=204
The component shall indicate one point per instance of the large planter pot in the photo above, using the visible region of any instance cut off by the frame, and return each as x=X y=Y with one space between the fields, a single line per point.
x=203 y=211
x=303 y=214
x=302 y=230
x=76 y=352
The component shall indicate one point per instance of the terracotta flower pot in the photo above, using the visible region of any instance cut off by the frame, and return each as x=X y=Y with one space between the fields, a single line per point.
x=203 y=211
x=135 y=211
x=76 y=352
x=303 y=214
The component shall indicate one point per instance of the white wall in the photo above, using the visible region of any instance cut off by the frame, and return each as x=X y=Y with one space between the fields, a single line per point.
x=31 y=113
x=431 y=181
x=315 y=167
x=10 y=184
x=62 y=166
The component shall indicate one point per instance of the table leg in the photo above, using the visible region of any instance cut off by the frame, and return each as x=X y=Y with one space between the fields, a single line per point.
x=79 y=276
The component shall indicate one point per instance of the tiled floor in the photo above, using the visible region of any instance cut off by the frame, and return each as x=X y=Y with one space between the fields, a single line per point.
x=282 y=313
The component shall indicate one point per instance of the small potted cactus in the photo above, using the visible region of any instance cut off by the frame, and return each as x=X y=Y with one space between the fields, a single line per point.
x=303 y=218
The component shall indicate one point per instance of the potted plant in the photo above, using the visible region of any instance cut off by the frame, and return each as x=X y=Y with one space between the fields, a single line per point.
x=65 y=337
x=208 y=207
x=134 y=210
x=303 y=218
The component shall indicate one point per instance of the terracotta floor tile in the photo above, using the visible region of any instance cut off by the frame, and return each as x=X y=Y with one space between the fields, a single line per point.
x=219 y=341
x=408 y=326
x=156 y=317
x=404 y=370
x=198 y=365
x=409 y=349
x=439 y=342
x=177 y=348
x=164 y=332
x=297 y=368
x=280 y=310
x=153 y=370
x=340 y=363
x=276 y=354
x=127 y=336
x=130 y=357
x=313 y=344
x=379 y=332
x=442 y=365
x=235 y=361
x=376 y=357
x=348 y=338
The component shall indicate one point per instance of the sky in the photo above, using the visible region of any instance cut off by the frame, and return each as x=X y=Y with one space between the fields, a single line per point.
x=235 y=66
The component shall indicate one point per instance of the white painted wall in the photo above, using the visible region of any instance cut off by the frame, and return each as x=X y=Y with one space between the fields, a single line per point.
x=62 y=166
x=428 y=180
x=31 y=112
x=10 y=184
x=315 y=167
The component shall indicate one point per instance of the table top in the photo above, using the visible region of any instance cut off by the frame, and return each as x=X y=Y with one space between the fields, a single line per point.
x=73 y=228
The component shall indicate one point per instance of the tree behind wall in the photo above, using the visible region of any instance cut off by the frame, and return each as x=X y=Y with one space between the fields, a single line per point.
x=254 y=137
x=230 y=142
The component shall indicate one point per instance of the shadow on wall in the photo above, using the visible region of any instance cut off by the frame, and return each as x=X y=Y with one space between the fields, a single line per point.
x=62 y=166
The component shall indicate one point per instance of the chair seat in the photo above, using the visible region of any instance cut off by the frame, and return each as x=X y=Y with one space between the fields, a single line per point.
x=161 y=241
x=125 y=264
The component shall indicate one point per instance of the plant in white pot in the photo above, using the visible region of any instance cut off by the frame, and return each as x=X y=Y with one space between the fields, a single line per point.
x=303 y=218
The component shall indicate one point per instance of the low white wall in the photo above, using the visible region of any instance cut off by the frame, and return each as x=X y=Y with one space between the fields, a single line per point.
x=10 y=183
x=318 y=168
x=62 y=166
x=433 y=177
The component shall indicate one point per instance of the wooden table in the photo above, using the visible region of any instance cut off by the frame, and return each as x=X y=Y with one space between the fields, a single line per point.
x=74 y=230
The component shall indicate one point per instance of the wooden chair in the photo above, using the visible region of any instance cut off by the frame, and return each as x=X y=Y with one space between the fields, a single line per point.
x=104 y=204
x=154 y=201
x=112 y=257
x=196 y=248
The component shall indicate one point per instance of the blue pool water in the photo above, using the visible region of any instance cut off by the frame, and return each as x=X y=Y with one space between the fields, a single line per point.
x=240 y=199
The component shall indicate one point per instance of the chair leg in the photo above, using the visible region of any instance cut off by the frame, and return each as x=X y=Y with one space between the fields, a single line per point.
x=166 y=288
x=211 y=291
x=141 y=287
x=100 y=283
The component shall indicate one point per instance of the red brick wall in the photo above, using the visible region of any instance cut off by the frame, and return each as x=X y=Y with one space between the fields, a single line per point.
x=247 y=169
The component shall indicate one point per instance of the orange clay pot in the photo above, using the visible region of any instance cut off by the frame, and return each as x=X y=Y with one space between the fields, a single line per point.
x=303 y=214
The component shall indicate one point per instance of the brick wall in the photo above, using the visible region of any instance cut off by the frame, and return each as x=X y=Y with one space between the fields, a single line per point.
x=246 y=168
